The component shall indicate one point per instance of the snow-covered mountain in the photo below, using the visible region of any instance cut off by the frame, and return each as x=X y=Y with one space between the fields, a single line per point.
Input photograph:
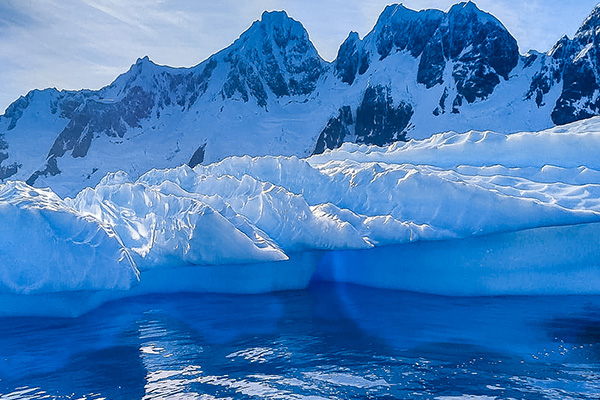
x=413 y=75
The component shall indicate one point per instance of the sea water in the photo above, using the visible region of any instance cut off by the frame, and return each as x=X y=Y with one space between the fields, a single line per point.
x=331 y=341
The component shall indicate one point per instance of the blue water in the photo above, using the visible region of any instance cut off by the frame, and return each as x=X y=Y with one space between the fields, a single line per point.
x=327 y=342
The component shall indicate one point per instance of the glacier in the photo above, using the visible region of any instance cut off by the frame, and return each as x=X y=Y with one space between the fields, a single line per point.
x=468 y=214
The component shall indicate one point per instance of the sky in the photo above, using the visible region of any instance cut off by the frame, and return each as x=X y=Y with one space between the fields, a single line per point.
x=75 y=44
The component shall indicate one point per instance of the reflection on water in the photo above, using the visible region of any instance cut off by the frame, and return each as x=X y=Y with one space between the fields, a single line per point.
x=328 y=342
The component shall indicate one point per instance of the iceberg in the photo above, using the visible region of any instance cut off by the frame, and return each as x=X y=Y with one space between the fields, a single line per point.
x=479 y=213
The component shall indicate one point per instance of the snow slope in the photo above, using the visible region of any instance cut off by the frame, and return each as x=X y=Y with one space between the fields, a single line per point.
x=431 y=215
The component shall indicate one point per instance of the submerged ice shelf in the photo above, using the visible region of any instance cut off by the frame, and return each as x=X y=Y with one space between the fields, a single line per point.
x=461 y=214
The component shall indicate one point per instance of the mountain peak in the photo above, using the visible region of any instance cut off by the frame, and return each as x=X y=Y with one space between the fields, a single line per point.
x=279 y=30
x=143 y=60
x=353 y=36
x=398 y=13
x=470 y=8
x=143 y=66
x=276 y=26
x=394 y=10
x=399 y=28
x=274 y=53
x=351 y=59
x=591 y=25
x=275 y=17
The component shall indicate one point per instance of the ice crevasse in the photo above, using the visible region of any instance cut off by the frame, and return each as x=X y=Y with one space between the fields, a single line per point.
x=479 y=213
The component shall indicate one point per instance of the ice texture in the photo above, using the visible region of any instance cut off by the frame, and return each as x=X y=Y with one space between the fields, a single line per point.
x=478 y=213
x=47 y=246
x=162 y=229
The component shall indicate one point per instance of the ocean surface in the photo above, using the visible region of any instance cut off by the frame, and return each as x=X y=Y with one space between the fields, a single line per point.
x=331 y=341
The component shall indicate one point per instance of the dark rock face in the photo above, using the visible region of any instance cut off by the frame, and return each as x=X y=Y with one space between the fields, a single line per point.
x=183 y=89
x=198 y=156
x=351 y=59
x=378 y=120
x=276 y=55
x=6 y=170
x=581 y=86
x=244 y=80
x=337 y=129
x=441 y=108
x=169 y=88
x=480 y=49
x=576 y=64
x=50 y=169
x=548 y=75
x=15 y=111
x=433 y=61
x=93 y=117
x=399 y=28
x=576 y=101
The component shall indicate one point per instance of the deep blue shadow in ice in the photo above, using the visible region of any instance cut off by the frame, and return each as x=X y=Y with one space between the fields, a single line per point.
x=330 y=341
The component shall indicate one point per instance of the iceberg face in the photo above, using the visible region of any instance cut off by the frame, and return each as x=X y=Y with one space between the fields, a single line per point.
x=286 y=217
x=170 y=229
x=538 y=261
x=471 y=214
x=49 y=247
